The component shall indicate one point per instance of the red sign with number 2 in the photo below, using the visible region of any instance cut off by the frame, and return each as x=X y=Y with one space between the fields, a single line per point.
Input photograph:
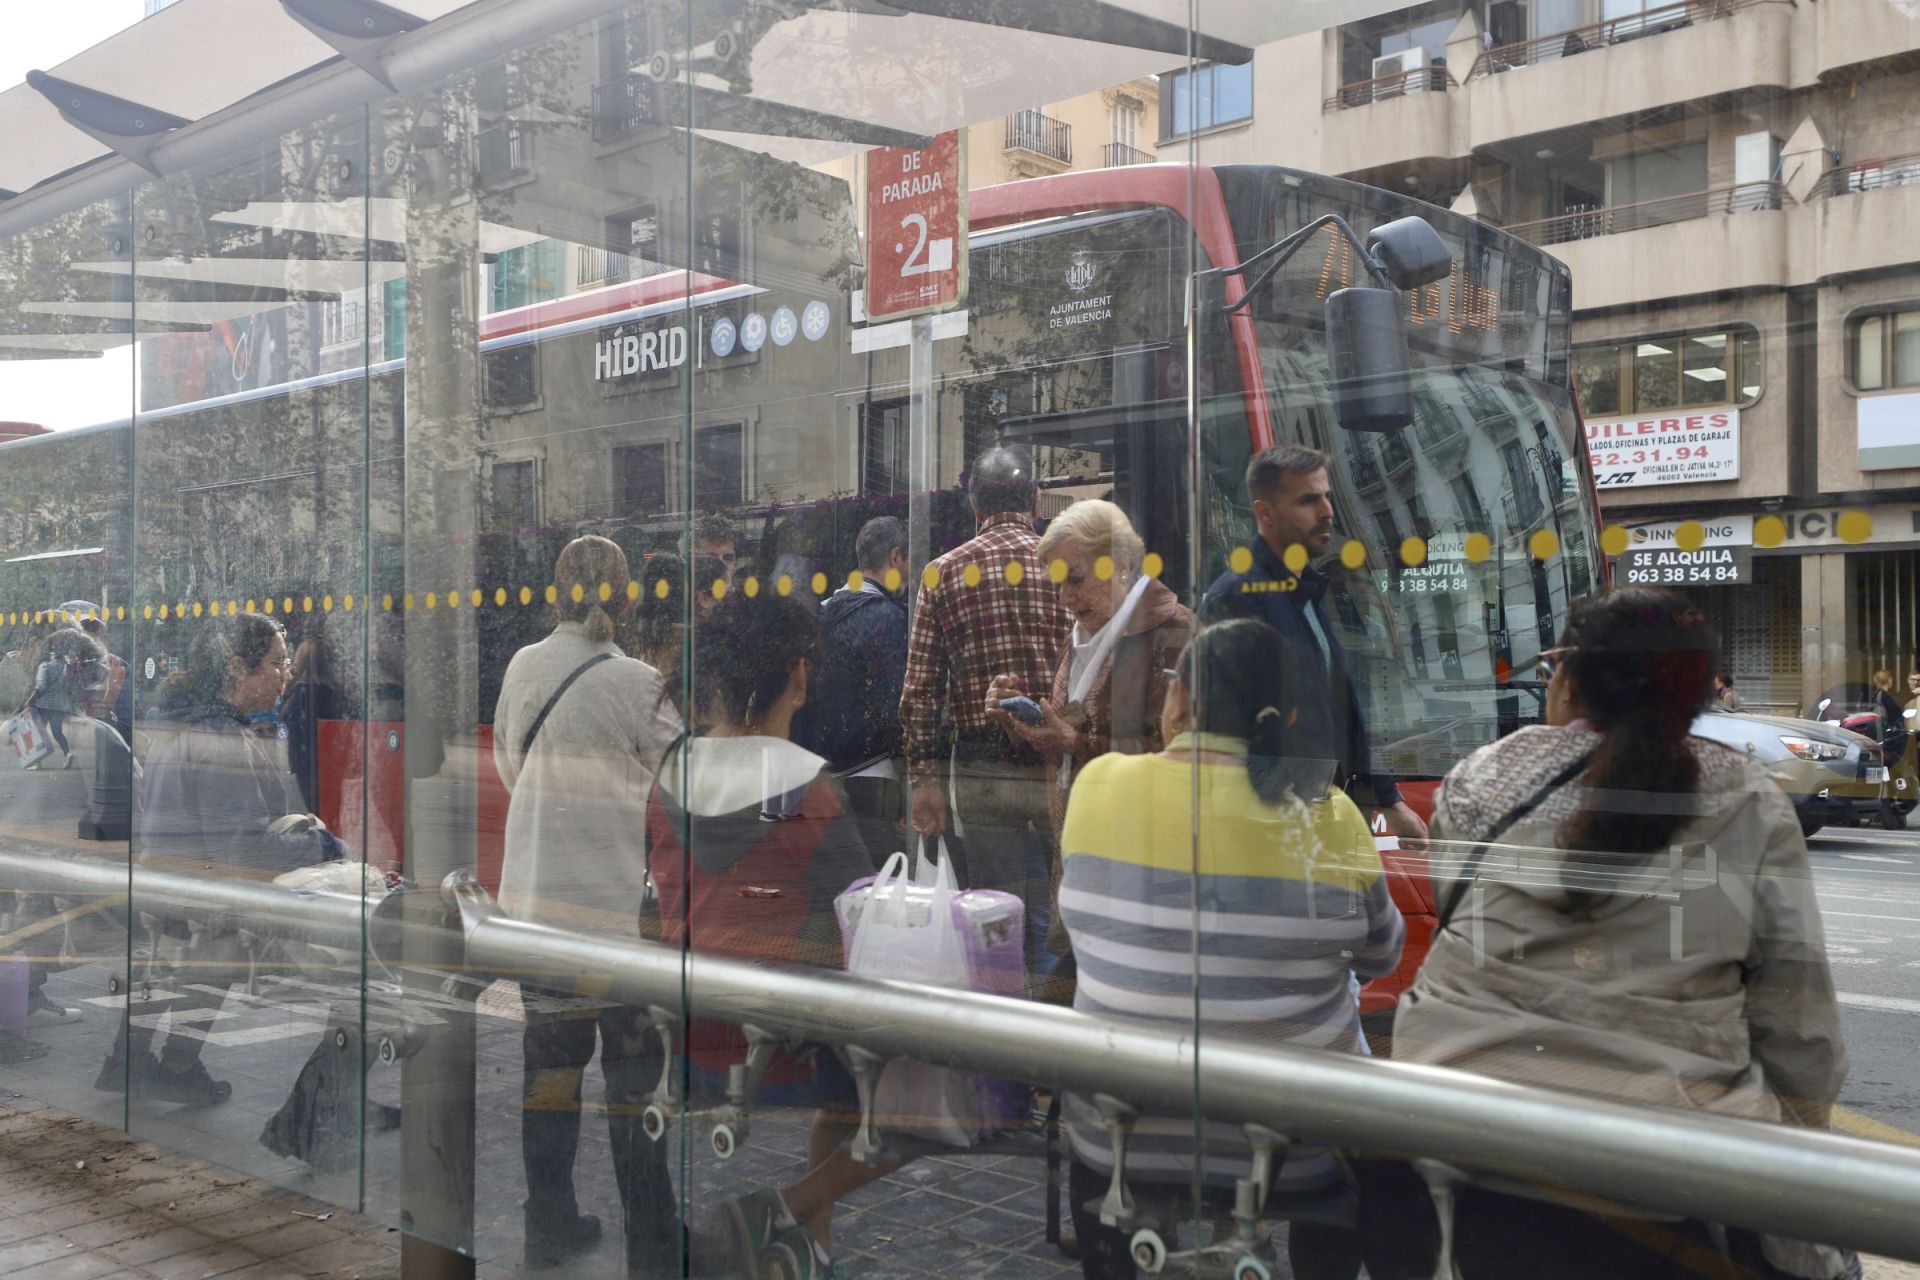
x=916 y=228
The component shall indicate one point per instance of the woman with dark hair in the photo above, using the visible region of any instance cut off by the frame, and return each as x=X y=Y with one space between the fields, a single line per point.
x=1291 y=903
x=750 y=841
x=215 y=792
x=69 y=667
x=1626 y=911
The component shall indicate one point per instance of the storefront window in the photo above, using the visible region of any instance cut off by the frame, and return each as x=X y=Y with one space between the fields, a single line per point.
x=1885 y=350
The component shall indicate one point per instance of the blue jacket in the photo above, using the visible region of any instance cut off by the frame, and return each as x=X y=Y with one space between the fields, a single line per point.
x=1329 y=705
x=852 y=714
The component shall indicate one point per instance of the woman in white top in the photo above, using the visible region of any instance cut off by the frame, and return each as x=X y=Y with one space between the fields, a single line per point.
x=578 y=735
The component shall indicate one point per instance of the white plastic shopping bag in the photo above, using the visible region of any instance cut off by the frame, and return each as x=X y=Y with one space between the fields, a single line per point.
x=30 y=742
x=890 y=941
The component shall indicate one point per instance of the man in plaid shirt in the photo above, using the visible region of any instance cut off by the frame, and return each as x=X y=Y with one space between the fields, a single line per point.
x=990 y=609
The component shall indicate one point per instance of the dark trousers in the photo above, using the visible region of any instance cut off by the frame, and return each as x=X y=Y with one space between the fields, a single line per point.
x=558 y=1046
x=1501 y=1237
x=1316 y=1250
x=1007 y=845
x=56 y=728
x=879 y=808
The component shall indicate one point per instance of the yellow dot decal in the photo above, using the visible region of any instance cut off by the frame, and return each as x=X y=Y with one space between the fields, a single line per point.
x=971 y=575
x=1153 y=566
x=164 y=611
x=500 y=596
x=633 y=589
x=1295 y=558
x=1016 y=573
x=326 y=604
x=719 y=588
x=1614 y=540
x=1478 y=547
x=196 y=608
x=476 y=597
x=752 y=587
x=930 y=576
x=286 y=605
x=1057 y=570
x=1240 y=560
x=784 y=584
x=819 y=584
x=453 y=598
x=661 y=587
x=1353 y=554
x=1769 y=531
x=146 y=612
x=1103 y=568
x=552 y=594
x=579 y=592
x=1413 y=552
x=232 y=608
x=1544 y=544
x=386 y=602
x=856 y=581
x=606 y=592
x=1854 y=526
x=892 y=580
x=433 y=599
x=406 y=602
x=252 y=606
x=1690 y=535
x=526 y=595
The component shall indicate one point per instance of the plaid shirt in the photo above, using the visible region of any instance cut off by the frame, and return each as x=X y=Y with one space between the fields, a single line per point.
x=964 y=635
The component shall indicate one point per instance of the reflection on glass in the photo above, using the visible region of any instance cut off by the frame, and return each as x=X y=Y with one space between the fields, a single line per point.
x=1704 y=369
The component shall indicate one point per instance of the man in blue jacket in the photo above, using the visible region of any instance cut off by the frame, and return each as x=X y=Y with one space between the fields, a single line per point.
x=1293 y=506
x=850 y=716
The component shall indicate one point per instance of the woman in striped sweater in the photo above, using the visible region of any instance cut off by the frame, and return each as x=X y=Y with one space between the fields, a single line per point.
x=1272 y=881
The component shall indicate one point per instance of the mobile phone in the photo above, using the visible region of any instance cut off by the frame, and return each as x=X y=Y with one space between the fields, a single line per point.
x=1024 y=709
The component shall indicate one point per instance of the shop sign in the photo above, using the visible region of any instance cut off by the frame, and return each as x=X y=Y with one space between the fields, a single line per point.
x=634 y=354
x=1672 y=567
x=1680 y=448
x=1720 y=531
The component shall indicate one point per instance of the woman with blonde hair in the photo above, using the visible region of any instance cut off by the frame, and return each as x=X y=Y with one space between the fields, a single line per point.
x=578 y=735
x=1129 y=630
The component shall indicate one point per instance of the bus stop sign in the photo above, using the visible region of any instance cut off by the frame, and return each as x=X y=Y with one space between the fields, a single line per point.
x=916 y=228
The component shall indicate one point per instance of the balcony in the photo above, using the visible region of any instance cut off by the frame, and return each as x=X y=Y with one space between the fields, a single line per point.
x=1398 y=85
x=1118 y=154
x=1039 y=134
x=622 y=105
x=1702 y=243
x=501 y=152
x=596 y=266
x=1868 y=175
x=1654 y=59
x=1861 y=217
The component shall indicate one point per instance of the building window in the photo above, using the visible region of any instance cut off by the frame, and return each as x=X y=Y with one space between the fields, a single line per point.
x=1680 y=371
x=719 y=467
x=1883 y=349
x=1126 y=122
x=512 y=376
x=1204 y=97
x=515 y=498
x=640 y=480
x=528 y=274
x=883 y=448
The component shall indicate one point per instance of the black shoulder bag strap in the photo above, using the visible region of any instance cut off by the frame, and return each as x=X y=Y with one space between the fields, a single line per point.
x=1470 y=869
x=526 y=743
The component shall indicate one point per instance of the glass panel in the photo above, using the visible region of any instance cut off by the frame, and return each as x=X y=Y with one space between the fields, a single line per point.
x=1747 y=358
x=1906 y=349
x=250 y=512
x=1596 y=374
x=67 y=549
x=1656 y=374
x=1704 y=369
x=1870 y=353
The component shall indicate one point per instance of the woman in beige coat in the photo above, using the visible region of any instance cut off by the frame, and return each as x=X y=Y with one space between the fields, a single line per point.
x=1626 y=912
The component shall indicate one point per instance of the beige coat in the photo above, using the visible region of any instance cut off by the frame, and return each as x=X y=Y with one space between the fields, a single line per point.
x=1701 y=982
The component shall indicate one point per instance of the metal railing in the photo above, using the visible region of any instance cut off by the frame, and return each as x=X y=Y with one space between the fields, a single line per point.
x=1397 y=85
x=1776 y=1178
x=622 y=105
x=600 y=266
x=1585 y=224
x=1869 y=175
x=1117 y=154
x=501 y=151
x=1041 y=134
x=1601 y=35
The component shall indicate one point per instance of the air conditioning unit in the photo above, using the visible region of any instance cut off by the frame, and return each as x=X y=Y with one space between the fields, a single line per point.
x=1399 y=64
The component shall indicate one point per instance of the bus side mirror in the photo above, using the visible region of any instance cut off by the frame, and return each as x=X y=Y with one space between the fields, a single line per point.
x=1370 y=374
x=1411 y=252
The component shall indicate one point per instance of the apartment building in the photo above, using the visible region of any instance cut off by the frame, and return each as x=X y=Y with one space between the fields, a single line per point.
x=1732 y=183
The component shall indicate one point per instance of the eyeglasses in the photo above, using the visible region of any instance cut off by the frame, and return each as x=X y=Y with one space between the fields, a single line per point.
x=1549 y=661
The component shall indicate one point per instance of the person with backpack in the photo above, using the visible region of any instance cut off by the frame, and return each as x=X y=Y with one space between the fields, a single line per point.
x=853 y=719
x=579 y=733
x=71 y=668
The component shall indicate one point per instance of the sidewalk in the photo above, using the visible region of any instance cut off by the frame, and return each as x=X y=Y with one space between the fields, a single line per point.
x=78 y=1201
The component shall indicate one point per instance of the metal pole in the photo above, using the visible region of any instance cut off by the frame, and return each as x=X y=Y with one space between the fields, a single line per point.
x=923 y=458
